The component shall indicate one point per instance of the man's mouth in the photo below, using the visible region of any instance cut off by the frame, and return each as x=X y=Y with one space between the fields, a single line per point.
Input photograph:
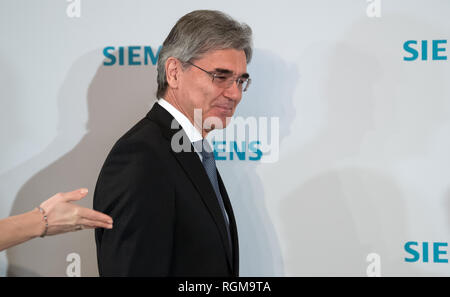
x=226 y=108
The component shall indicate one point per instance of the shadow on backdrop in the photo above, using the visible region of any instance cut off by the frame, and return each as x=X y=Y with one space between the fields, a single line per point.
x=342 y=209
x=117 y=98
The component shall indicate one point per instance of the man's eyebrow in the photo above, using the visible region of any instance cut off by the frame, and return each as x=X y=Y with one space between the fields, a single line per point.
x=227 y=71
x=223 y=71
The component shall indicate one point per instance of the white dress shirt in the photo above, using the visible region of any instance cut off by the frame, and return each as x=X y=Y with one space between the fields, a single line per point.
x=192 y=133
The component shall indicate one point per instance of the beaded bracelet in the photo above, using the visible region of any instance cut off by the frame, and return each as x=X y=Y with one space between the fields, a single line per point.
x=42 y=211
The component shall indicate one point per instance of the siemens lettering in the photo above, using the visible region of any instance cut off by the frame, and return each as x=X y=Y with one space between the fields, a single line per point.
x=437 y=46
x=130 y=55
x=439 y=252
x=220 y=152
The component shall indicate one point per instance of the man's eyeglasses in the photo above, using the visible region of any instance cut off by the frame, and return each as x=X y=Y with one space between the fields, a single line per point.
x=224 y=79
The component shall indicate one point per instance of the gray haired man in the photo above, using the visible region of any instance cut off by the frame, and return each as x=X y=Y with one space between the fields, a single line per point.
x=171 y=210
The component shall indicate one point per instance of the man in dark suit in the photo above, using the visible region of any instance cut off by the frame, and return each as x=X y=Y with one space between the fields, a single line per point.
x=172 y=215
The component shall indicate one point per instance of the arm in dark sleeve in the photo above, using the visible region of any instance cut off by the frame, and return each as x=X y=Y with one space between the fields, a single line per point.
x=135 y=191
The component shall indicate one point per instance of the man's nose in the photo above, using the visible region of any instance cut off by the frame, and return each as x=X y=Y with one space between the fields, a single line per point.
x=233 y=92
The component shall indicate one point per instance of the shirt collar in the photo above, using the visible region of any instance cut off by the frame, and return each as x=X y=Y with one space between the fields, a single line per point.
x=192 y=133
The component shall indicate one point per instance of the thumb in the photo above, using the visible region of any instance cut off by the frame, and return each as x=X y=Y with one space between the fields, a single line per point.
x=74 y=195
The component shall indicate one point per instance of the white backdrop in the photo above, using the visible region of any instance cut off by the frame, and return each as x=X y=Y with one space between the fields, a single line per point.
x=362 y=181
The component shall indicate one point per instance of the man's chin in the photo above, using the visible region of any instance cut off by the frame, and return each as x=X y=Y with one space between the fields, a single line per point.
x=216 y=122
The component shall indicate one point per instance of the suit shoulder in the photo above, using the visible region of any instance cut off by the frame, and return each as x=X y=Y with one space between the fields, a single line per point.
x=145 y=135
x=145 y=129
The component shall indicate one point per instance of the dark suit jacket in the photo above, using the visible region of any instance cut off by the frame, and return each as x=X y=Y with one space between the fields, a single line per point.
x=167 y=220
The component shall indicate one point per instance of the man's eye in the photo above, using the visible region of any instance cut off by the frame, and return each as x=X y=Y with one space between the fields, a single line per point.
x=221 y=77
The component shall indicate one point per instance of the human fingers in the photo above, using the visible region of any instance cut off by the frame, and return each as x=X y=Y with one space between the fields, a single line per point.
x=93 y=215
x=74 y=195
x=50 y=203
x=90 y=224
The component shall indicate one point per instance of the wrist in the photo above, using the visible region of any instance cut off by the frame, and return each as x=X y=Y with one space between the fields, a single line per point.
x=40 y=228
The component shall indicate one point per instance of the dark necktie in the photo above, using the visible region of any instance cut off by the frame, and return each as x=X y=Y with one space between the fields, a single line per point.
x=209 y=164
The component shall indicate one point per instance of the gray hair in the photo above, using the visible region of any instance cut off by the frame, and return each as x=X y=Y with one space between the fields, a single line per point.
x=199 y=32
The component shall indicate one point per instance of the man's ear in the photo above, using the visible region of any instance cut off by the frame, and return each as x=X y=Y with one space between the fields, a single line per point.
x=173 y=72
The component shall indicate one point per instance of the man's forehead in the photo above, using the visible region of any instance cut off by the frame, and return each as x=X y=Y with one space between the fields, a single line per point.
x=227 y=61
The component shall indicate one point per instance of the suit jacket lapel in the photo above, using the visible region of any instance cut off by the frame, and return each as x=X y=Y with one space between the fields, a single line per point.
x=194 y=169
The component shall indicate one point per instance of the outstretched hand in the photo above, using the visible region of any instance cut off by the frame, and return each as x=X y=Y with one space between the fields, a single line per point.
x=63 y=216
